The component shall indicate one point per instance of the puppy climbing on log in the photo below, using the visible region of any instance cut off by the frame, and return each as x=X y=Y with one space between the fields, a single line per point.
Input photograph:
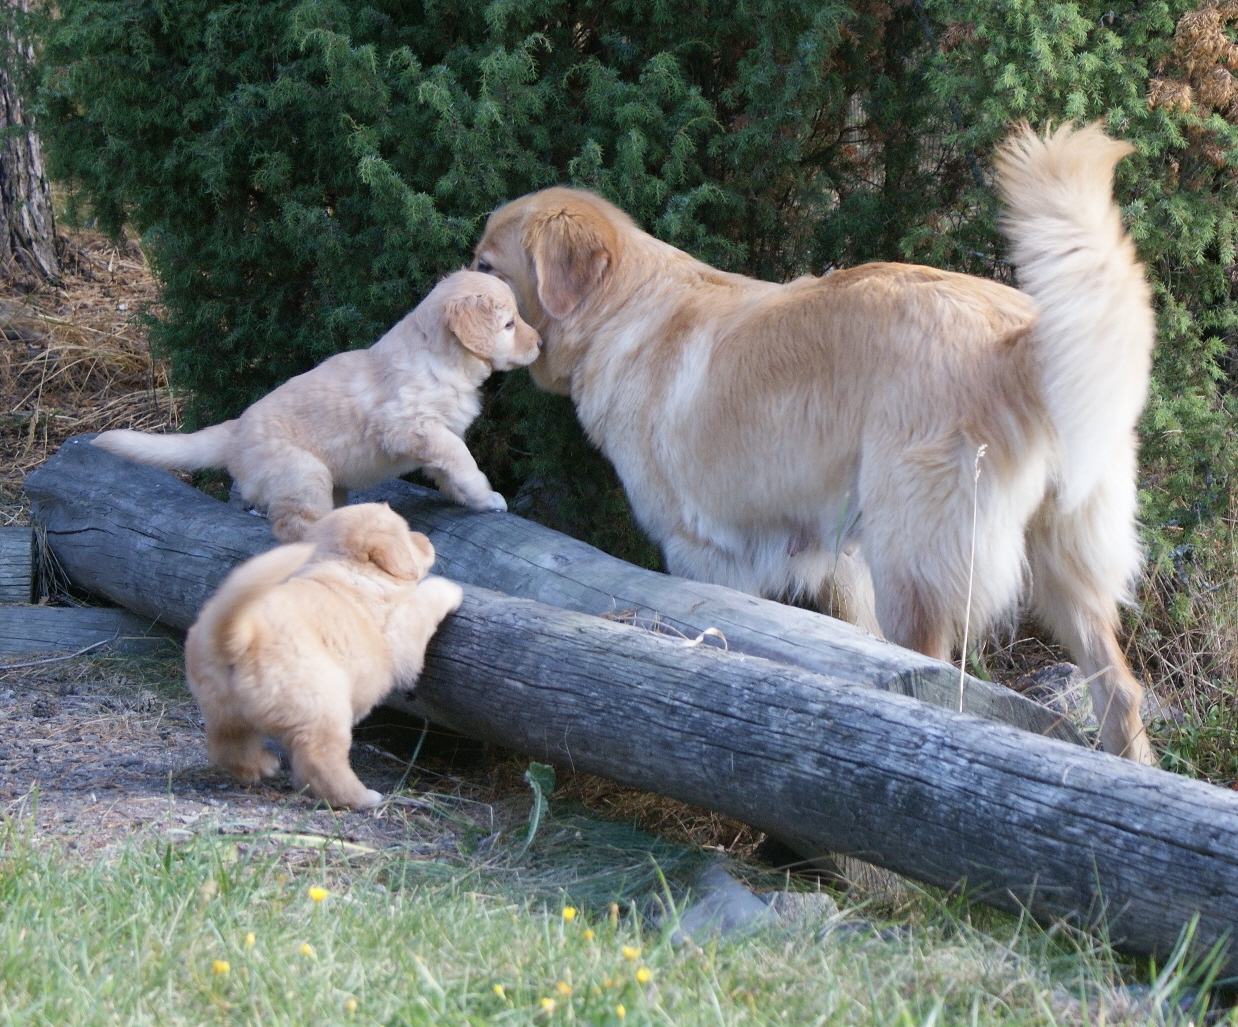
x=364 y=415
x=302 y=641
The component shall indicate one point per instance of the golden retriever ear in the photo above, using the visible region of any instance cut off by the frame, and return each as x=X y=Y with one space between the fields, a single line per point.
x=473 y=319
x=406 y=555
x=571 y=250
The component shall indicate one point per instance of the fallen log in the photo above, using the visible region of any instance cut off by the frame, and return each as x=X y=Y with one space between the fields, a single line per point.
x=1020 y=821
x=147 y=541
x=81 y=629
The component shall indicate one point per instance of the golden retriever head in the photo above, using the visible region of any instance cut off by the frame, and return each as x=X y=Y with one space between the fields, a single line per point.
x=554 y=248
x=481 y=312
x=372 y=533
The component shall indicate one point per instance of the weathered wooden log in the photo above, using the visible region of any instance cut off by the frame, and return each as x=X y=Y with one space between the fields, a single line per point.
x=74 y=629
x=16 y=565
x=1019 y=821
x=149 y=542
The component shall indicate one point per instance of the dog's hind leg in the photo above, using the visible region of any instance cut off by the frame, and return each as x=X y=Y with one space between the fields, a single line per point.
x=302 y=494
x=848 y=591
x=320 y=761
x=1082 y=562
x=237 y=748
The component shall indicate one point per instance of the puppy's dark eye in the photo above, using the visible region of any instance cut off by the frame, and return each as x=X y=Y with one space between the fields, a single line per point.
x=482 y=266
x=510 y=325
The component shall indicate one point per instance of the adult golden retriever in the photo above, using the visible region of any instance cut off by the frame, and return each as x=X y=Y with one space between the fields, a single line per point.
x=364 y=415
x=928 y=445
x=302 y=641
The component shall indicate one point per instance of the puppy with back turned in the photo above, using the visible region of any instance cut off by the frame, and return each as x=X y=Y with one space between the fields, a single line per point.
x=302 y=641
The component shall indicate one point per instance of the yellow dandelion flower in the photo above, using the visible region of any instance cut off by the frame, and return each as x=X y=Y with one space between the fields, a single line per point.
x=220 y=966
x=643 y=974
x=630 y=952
x=620 y=1011
x=563 y=988
x=318 y=894
x=250 y=940
x=307 y=950
x=587 y=934
x=350 y=1005
x=548 y=1004
x=498 y=990
x=569 y=913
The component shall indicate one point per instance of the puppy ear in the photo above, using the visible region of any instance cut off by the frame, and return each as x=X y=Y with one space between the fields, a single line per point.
x=423 y=553
x=571 y=250
x=473 y=319
x=406 y=555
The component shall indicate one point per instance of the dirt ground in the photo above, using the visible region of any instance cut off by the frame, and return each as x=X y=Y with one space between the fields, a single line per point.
x=97 y=752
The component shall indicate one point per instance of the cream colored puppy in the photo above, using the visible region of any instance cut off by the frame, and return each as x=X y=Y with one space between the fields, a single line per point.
x=825 y=436
x=364 y=415
x=302 y=641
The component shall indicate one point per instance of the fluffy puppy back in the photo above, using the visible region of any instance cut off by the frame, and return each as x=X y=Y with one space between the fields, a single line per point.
x=1095 y=325
x=172 y=452
x=219 y=625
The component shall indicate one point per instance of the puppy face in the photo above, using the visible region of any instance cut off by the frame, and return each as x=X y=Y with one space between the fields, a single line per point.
x=555 y=249
x=372 y=533
x=481 y=312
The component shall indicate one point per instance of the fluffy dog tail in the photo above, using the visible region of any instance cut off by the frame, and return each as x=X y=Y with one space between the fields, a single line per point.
x=172 y=452
x=1095 y=326
x=220 y=622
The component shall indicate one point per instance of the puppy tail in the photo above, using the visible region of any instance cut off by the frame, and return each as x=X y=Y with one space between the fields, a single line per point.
x=172 y=452
x=1095 y=325
x=220 y=619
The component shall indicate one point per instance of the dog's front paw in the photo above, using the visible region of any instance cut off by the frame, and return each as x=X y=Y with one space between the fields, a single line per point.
x=494 y=504
x=445 y=595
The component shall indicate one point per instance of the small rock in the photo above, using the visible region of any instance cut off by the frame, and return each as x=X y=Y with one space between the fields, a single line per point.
x=802 y=908
x=722 y=906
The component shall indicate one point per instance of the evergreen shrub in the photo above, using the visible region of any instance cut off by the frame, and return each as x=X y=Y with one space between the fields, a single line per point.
x=301 y=171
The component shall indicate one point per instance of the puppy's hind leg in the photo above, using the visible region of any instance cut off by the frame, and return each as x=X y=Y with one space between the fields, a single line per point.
x=237 y=747
x=304 y=493
x=319 y=753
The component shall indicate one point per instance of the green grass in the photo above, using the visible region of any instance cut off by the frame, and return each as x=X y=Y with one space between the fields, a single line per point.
x=213 y=931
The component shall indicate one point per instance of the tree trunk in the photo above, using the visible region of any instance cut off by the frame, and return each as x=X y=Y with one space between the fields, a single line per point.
x=27 y=223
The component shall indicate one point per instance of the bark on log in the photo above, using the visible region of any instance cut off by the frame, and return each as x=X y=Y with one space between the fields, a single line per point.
x=1020 y=821
x=147 y=541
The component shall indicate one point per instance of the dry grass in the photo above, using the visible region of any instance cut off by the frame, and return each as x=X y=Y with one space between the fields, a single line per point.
x=74 y=358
